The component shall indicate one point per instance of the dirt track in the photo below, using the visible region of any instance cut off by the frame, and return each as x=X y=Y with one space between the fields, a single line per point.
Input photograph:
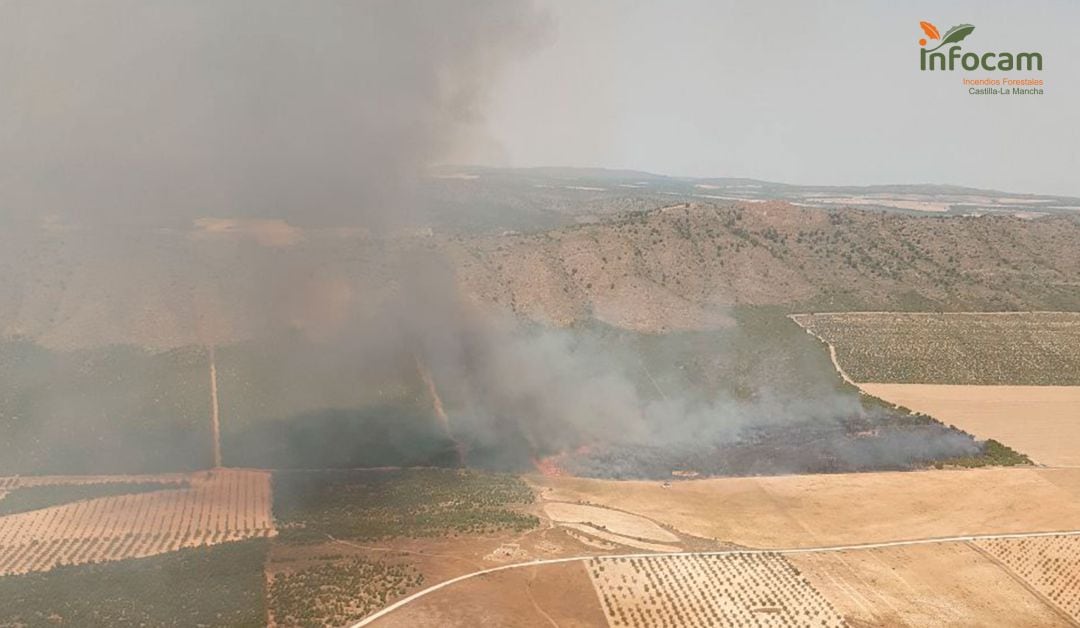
x=782 y=551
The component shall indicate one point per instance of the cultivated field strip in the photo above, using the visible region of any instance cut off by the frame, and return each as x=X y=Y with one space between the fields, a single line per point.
x=1050 y=564
x=985 y=348
x=220 y=506
x=751 y=589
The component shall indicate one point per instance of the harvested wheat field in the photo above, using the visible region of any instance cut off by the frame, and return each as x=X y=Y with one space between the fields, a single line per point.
x=944 y=584
x=839 y=509
x=219 y=506
x=730 y=590
x=1042 y=422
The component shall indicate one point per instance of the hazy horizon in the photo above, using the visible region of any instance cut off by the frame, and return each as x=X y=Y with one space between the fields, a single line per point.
x=832 y=96
x=706 y=177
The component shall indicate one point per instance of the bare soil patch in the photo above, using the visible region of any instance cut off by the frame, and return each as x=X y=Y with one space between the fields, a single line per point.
x=535 y=597
x=620 y=539
x=611 y=520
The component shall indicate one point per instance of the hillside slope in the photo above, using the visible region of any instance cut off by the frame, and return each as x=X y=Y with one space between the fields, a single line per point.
x=682 y=267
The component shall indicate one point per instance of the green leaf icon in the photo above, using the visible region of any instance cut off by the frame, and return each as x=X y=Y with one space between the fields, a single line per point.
x=955 y=35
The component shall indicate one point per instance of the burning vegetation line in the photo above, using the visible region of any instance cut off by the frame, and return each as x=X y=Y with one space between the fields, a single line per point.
x=437 y=406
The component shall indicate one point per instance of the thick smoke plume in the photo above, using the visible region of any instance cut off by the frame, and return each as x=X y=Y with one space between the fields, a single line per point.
x=267 y=120
x=320 y=112
x=519 y=391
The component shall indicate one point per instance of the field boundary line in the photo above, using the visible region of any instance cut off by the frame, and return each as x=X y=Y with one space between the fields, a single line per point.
x=832 y=352
x=783 y=551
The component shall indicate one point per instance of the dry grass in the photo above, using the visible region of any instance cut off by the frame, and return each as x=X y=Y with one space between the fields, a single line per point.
x=620 y=539
x=537 y=597
x=614 y=521
x=930 y=585
x=815 y=510
x=1039 y=421
x=226 y=505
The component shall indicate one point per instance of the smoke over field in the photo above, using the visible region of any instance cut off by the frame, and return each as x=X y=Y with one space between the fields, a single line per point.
x=757 y=398
x=272 y=152
x=164 y=112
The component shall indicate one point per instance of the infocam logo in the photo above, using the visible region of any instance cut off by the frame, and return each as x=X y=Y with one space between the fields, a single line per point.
x=931 y=59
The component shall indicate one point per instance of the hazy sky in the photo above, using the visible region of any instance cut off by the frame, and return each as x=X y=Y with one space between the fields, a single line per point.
x=319 y=112
x=801 y=92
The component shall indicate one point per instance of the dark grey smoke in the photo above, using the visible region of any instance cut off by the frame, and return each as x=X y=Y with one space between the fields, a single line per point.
x=319 y=112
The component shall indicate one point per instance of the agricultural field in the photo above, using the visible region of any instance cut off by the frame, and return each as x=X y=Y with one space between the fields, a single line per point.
x=613 y=521
x=731 y=590
x=818 y=510
x=1016 y=348
x=989 y=582
x=548 y=595
x=219 y=586
x=591 y=534
x=1039 y=421
x=217 y=507
x=379 y=504
x=1050 y=564
x=1008 y=377
x=941 y=584
x=25 y=499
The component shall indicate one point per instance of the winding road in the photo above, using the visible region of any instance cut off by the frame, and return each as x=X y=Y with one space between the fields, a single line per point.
x=799 y=550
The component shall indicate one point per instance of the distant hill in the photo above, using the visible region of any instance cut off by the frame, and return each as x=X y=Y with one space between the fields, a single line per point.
x=530 y=199
x=554 y=245
x=679 y=267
